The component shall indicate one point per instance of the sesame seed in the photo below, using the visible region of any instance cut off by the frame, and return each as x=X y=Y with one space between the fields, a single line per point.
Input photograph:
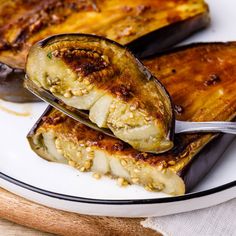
x=158 y=186
x=160 y=167
x=90 y=156
x=84 y=91
x=80 y=79
x=67 y=94
x=132 y=108
x=87 y=82
x=154 y=139
x=147 y=118
x=97 y=175
x=55 y=53
x=92 y=77
x=77 y=92
x=88 y=149
x=87 y=164
x=82 y=169
x=90 y=87
x=163 y=171
x=136 y=170
x=164 y=163
x=105 y=58
x=112 y=105
x=122 y=182
x=78 y=154
x=172 y=162
x=148 y=188
x=53 y=89
x=49 y=81
x=184 y=154
x=135 y=180
x=71 y=163
x=123 y=162
x=57 y=143
x=67 y=155
x=59 y=151
x=96 y=55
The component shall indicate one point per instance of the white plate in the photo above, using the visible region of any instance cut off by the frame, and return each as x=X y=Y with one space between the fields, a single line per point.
x=62 y=187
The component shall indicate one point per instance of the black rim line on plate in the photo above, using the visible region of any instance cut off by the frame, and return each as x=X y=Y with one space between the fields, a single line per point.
x=117 y=202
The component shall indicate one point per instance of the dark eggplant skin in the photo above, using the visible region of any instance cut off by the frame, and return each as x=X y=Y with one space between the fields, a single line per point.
x=180 y=25
x=205 y=160
x=162 y=39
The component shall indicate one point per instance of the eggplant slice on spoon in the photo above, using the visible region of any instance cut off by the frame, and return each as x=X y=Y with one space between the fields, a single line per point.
x=93 y=73
x=202 y=90
x=145 y=26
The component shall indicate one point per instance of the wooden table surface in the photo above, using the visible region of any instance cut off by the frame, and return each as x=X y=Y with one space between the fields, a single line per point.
x=44 y=219
x=8 y=228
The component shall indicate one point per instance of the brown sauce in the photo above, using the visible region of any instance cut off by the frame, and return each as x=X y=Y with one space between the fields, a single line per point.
x=16 y=113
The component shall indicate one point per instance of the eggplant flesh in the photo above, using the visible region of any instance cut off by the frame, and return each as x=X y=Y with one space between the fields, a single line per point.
x=202 y=90
x=59 y=138
x=92 y=73
x=145 y=26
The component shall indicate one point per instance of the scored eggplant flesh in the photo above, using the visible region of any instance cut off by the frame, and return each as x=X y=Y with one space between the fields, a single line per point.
x=61 y=139
x=92 y=73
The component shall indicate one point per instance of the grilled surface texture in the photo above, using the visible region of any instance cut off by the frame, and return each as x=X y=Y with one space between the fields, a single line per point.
x=137 y=24
x=93 y=73
x=62 y=139
x=22 y=23
x=202 y=90
x=200 y=79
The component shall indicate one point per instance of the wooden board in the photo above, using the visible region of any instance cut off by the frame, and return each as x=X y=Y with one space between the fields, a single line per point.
x=8 y=228
x=30 y=214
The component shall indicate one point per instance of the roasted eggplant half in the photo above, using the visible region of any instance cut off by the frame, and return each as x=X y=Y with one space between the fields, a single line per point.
x=57 y=137
x=92 y=73
x=145 y=26
x=202 y=90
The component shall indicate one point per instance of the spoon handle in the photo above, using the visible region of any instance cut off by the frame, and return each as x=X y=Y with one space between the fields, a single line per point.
x=180 y=126
x=211 y=126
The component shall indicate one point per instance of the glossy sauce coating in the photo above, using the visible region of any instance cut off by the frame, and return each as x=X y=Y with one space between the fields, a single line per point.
x=195 y=98
x=22 y=23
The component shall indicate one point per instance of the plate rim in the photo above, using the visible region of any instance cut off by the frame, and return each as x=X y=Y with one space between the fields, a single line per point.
x=77 y=199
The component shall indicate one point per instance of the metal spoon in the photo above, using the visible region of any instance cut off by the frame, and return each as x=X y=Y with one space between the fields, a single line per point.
x=82 y=117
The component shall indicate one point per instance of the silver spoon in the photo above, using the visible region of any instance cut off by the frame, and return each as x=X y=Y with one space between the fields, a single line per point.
x=82 y=117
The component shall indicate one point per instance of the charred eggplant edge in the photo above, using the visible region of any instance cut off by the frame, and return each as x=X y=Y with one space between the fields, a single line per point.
x=160 y=40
